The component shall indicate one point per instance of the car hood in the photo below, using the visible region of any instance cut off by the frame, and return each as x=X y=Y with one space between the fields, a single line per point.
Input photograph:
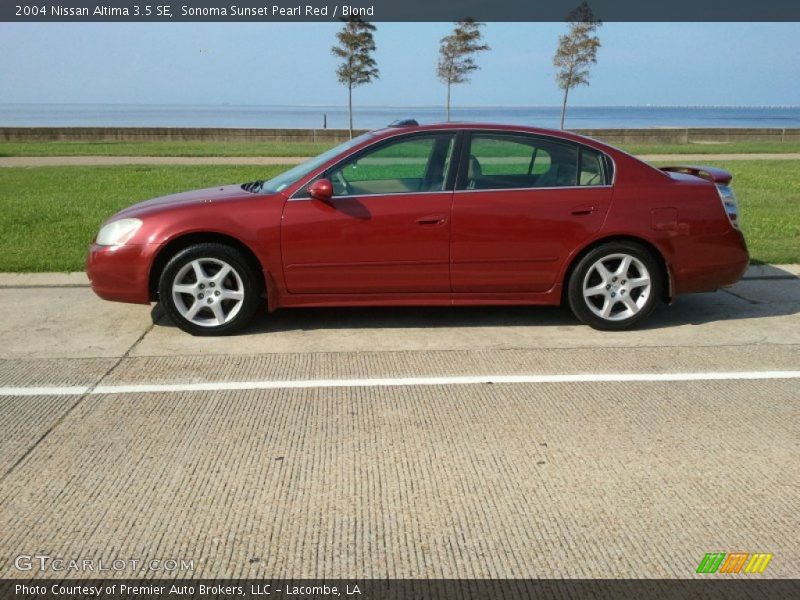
x=185 y=199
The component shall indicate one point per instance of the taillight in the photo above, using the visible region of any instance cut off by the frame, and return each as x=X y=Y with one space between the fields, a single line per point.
x=730 y=203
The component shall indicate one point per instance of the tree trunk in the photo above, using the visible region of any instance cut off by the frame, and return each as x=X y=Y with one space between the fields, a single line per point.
x=447 y=111
x=564 y=107
x=350 y=107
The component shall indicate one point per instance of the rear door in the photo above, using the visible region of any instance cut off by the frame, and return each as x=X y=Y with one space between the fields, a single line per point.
x=387 y=227
x=522 y=204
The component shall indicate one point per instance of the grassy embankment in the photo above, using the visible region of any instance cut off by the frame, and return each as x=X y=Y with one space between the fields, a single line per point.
x=311 y=149
x=162 y=148
x=51 y=213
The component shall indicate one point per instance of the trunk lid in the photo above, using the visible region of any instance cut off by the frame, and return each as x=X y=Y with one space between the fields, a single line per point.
x=721 y=180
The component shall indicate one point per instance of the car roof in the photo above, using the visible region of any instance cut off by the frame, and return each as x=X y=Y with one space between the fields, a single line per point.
x=466 y=125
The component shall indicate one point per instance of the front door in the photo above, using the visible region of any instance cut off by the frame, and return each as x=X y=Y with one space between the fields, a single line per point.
x=386 y=229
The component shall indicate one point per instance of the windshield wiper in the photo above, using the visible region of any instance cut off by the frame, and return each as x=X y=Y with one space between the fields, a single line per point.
x=253 y=186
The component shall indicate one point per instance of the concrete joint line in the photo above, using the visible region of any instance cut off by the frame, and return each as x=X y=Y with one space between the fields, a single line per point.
x=82 y=391
x=216 y=386
x=740 y=297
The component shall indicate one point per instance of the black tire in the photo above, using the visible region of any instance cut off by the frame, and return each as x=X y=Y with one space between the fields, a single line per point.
x=212 y=296
x=626 y=294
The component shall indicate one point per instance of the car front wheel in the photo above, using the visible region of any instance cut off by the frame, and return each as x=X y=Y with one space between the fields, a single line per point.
x=615 y=286
x=209 y=289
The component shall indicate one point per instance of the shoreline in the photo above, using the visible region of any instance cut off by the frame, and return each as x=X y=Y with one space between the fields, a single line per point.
x=373 y=117
x=613 y=136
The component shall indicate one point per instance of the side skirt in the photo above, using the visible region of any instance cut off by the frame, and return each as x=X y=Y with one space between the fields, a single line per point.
x=550 y=298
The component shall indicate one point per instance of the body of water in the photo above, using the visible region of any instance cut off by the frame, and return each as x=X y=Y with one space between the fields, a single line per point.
x=579 y=117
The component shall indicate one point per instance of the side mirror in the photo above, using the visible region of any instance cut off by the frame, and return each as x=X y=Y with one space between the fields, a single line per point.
x=321 y=190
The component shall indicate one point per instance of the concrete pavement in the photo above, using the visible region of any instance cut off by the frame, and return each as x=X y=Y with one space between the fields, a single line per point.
x=583 y=479
x=750 y=312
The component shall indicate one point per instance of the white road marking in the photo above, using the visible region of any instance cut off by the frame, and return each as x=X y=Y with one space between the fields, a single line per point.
x=217 y=386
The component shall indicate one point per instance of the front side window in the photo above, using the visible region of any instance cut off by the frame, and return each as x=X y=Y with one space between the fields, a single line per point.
x=411 y=165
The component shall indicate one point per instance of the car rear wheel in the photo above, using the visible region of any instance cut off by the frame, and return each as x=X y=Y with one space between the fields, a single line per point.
x=615 y=286
x=209 y=289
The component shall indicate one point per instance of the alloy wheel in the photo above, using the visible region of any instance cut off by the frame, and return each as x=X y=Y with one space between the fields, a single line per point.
x=616 y=287
x=208 y=292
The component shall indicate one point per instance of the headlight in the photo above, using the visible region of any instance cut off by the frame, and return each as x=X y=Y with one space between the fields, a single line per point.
x=117 y=233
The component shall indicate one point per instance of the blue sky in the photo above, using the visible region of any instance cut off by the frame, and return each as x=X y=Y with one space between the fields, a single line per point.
x=290 y=63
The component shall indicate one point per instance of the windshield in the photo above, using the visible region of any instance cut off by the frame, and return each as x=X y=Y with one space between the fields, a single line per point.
x=287 y=178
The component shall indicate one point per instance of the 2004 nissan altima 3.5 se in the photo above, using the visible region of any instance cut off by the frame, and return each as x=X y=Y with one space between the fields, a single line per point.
x=452 y=214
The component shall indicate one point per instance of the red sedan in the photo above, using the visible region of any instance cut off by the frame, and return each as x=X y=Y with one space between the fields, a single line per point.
x=451 y=214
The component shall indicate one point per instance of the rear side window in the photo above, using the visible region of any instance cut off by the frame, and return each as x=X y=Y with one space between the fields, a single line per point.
x=502 y=161
x=593 y=170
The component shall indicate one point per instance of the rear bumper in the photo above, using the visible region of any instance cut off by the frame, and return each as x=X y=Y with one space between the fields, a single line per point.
x=715 y=262
x=119 y=273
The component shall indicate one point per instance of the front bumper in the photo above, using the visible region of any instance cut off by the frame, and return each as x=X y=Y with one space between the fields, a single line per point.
x=120 y=273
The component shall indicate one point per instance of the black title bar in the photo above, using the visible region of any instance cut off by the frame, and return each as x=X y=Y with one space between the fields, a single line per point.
x=733 y=588
x=393 y=10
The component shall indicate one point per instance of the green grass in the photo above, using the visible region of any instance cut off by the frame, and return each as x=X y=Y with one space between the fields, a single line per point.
x=312 y=149
x=727 y=148
x=51 y=213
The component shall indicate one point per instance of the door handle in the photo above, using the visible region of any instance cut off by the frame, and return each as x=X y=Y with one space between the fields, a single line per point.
x=584 y=210
x=432 y=220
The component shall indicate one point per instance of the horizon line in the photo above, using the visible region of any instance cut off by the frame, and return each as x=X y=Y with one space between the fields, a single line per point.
x=404 y=107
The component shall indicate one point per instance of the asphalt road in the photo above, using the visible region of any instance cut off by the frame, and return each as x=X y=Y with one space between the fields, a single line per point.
x=469 y=442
